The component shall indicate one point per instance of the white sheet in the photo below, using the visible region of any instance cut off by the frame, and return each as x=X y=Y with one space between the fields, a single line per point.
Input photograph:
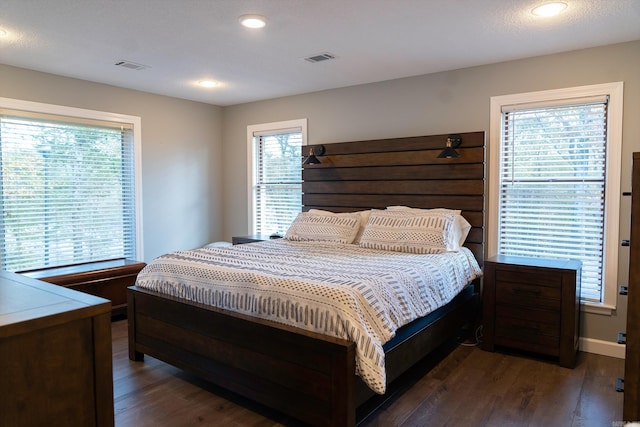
x=342 y=290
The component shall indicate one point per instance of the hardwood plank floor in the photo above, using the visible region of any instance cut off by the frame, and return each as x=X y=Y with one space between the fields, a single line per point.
x=460 y=386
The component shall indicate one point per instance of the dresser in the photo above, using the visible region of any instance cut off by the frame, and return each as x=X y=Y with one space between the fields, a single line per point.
x=532 y=304
x=631 y=406
x=55 y=355
x=107 y=279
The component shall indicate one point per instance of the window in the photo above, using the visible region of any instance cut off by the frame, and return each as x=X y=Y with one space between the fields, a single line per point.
x=555 y=181
x=276 y=175
x=68 y=186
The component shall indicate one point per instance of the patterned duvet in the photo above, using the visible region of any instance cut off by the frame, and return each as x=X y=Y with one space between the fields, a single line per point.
x=342 y=290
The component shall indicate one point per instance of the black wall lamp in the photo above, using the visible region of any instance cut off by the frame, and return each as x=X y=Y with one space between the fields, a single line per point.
x=449 y=152
x=312 y=159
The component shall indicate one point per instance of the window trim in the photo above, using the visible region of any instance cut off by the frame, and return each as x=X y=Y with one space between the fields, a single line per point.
x=273 y=127
x=613 y=174
x=81 y=113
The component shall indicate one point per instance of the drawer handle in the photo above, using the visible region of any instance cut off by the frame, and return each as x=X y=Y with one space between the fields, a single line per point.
x=521 y=291
x=529 y=329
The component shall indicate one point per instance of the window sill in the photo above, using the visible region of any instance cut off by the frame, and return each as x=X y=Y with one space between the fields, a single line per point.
x=593 y=308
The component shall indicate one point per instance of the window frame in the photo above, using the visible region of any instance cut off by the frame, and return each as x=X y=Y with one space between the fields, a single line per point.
x=82 y=113
x=272 y=127
x=613 y=174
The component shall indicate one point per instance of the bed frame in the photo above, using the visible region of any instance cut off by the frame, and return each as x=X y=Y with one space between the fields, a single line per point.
x=306 y=375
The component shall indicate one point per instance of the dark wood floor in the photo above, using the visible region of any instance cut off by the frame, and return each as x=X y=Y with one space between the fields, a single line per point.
x=462 y=386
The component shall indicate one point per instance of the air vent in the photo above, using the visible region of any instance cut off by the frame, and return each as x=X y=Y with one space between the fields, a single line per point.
x=131 y=65
x=320 y=58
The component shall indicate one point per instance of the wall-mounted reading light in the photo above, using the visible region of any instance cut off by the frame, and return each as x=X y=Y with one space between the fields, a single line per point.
x=312 y=159
x=449 y=152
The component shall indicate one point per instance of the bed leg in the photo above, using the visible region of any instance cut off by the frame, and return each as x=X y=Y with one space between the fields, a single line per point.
x=131 y=319
x=136 y=356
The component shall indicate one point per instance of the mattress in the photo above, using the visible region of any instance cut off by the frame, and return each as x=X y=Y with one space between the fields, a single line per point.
x=343 y=290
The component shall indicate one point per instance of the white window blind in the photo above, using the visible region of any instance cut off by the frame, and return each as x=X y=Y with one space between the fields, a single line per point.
x=278 y=180
x=67 y=191
x=552 y=183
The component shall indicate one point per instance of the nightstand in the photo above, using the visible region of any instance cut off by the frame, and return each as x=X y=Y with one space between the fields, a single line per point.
x=532 y=304
x=240 y=240
x=106 y=279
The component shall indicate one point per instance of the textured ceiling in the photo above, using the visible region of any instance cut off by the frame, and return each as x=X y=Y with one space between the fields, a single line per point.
x=184 y=41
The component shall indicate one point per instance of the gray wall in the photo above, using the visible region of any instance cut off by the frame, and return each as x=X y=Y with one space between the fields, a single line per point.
x=453 y=101
x=181 y=153
x=194 y=168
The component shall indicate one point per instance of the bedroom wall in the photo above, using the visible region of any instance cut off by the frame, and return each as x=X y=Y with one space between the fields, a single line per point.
x=194 y=155
x=452 y=101
x=181 y=153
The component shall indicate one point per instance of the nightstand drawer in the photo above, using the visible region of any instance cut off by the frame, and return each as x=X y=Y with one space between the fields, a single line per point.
x=540 y=316
x=526 y=338
x=530 y=276
x=512 y=325
x=527 y=295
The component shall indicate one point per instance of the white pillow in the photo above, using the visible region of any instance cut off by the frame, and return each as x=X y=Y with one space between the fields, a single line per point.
x=340 y=228
x=364 y=217
x=406 y=230
x=459 y=232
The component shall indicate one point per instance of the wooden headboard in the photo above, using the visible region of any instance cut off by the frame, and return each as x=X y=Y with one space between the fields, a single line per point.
x=402 y=171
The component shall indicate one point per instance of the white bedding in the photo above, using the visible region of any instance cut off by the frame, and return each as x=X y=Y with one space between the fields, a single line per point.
x=342 y=290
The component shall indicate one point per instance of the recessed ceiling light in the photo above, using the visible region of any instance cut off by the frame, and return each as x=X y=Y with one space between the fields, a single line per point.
x=253 y=21
x=549 y=9
x=208 y=83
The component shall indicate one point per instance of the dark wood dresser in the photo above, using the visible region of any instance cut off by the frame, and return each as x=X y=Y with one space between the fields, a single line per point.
x=532 y=304
x=106 y=279
x=631 y=406
x=55 y=355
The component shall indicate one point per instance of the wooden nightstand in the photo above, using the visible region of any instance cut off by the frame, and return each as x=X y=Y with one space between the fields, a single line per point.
x=532 y=304
x=106 y=279
x=240 y=240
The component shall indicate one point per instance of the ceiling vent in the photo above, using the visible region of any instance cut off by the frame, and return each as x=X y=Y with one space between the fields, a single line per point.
x=131 y=65
x=320 y=58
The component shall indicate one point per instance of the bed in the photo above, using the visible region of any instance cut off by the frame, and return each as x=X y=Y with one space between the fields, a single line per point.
x=304 y=373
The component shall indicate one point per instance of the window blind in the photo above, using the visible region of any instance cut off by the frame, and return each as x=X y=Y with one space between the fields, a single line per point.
x=66 y=191
x=278 y=181
x=552 y=186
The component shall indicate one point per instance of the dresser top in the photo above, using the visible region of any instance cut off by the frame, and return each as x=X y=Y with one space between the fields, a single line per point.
x=93 y=269
x=27 y=304
x=536 y=262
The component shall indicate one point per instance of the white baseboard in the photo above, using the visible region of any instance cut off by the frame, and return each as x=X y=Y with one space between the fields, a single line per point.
x=605 y=348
